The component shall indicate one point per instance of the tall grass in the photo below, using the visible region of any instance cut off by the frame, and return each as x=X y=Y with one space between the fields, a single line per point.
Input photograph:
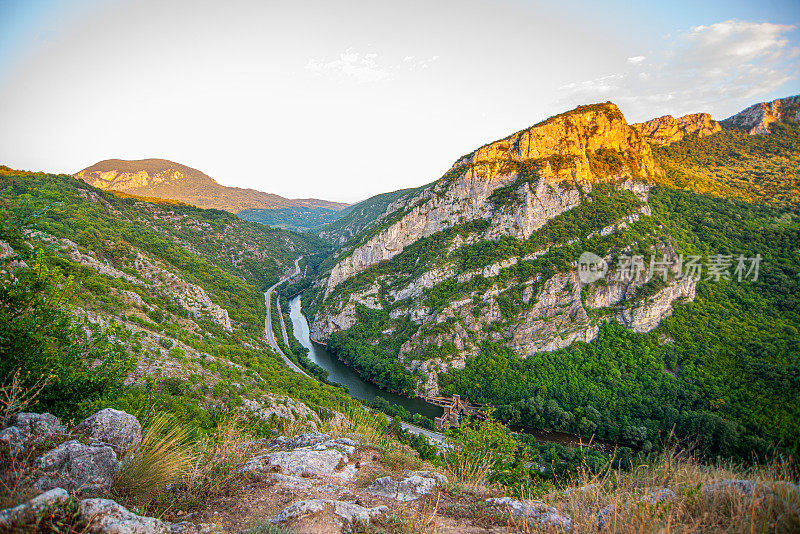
x=774 y=507
x=355 y=419
x=164 y=457
x=216 y=469
x=469 y=469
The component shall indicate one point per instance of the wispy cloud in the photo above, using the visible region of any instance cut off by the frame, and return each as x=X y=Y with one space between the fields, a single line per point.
x=710 y=68
x=366 y=68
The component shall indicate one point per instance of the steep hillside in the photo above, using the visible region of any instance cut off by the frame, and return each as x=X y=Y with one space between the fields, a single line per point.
x=479 y=284
x=734 y=164
x=297 y=218
x=365 y=214
x=757 y=118
x=160 y=178
x=177 y=288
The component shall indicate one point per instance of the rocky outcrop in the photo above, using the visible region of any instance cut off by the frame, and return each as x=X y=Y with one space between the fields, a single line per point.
x=97 y=516
x=557 y=152
x=15 y=519
x=414 y=485
x=533 y=512
x=667 y=129
x=150 y=273
x=27 y=429
x=563 y=310
x=283 y=408
x=343 y=511
x=758 y=117
x=77 y=467
x=312 y=453
x=120 y=430
x=107 y=517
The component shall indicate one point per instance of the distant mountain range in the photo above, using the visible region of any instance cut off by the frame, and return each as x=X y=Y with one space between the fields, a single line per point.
x=161 y=178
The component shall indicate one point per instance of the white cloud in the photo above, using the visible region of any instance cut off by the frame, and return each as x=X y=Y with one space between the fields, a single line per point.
x=714 y=68
x=365 y=68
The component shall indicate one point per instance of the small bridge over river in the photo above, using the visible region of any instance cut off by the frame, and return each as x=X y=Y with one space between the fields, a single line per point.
x=454 y=409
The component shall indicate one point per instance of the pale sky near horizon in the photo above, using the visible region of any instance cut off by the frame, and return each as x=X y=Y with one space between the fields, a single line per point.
x=344 y=100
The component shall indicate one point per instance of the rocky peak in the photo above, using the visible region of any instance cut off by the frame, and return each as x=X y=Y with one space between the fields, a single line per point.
x=667 y=129
x=546 y=166
x=563 y=143
x=758 y=117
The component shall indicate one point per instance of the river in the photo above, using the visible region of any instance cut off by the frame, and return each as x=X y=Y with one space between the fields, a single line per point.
x=340 y=373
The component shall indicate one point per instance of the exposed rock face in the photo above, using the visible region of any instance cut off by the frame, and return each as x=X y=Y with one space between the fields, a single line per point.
x=758 y=117
x=281 y=407
x=534 y=512
x=29 y=428
x=559 y=149
x=105 y=516
x=75 y=466
x=667 y=129
x=413 y=486
x=190 y=296
x=120 y=430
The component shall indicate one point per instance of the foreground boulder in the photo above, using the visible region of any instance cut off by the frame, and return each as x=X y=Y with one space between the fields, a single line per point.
x=309 y=454
x=109 y=517
x=26 y=513
x=118 y=429
x=94 y=516
x=27 y=429
x=533 y=511
x=77 y=467
x=412 y=487
x=344 y=511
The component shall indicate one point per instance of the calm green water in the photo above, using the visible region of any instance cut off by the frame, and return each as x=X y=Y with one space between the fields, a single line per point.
x=341 y=373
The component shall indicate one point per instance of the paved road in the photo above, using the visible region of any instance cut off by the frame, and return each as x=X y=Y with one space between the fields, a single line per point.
x=268 y=322
x=438 y=439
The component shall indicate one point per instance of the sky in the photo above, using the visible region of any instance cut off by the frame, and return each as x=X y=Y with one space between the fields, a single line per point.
x=342 y=100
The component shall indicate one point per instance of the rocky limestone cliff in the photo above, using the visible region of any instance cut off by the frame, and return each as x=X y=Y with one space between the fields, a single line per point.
x=515 y=187
x=558 y=156
x=563 y=311
x=667 y=129
x=758 y=117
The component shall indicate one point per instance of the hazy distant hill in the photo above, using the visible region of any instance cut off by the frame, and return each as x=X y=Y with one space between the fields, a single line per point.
x=161 y=178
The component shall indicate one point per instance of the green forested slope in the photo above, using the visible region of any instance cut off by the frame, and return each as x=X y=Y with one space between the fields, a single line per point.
x=733 y=164
x=733 y=355
x=95 y=338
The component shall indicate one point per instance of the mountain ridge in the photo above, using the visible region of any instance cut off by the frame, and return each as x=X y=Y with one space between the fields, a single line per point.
x=161 y=178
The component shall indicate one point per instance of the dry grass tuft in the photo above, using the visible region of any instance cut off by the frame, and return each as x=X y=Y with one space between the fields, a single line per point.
x=400 y=460
x=469 y=469
x=164 y=457
x=773 y=507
